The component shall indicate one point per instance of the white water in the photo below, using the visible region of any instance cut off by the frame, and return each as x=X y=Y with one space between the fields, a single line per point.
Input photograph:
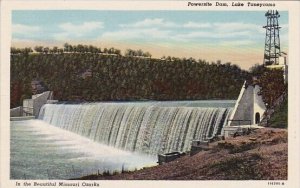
x=42 y=151
x=145 y=127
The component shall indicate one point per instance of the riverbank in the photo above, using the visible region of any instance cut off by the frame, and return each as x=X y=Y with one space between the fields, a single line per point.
x=261 y=155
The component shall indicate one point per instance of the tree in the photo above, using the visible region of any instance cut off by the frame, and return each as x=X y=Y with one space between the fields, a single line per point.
x=272 y=86
x=14 y=50
x=139 y=52
x=80 y=48
x=111 y=51
x=55 y=49
x=39 y=49
x=257 y=70
x=117 y=52
x=92 y=49
x=60 y=50
x=67 y=47
x=105 y=50
x=46 y=50
x=147 y=54
x=128 y=52
x=86 y=49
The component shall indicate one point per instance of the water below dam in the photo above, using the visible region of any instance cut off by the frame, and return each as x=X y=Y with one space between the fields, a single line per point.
x=42 y=151
x=73 y=140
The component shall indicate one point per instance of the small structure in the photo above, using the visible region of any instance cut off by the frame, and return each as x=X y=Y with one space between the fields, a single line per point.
x=249 y=107
x=282 y=65
x=16 y=112
x=31 y=107
x=168 y=157
x=248 y=111
x=199 y=145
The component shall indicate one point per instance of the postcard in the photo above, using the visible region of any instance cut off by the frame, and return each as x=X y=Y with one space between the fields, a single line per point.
x=149 y=93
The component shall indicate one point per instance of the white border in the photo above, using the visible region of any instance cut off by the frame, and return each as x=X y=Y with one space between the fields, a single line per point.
x=294 y=92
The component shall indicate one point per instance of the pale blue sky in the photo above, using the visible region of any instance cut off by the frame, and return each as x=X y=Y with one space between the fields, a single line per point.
x=205 y=31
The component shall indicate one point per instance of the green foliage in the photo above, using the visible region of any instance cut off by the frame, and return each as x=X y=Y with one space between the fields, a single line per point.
x=139 y=53
x=97 y=76
x=257 y=70
x=279 y=118
x=273 y=90
x=20 y=51
x=272 y=86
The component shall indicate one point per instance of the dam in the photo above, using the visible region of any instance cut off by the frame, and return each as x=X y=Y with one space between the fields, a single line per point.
x=147 y=127
x=121 y=135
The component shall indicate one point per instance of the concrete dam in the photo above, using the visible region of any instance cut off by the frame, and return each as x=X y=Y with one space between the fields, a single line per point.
x=144 y=127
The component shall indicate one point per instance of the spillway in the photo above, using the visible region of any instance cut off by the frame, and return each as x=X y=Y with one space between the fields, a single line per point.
x=145 y=127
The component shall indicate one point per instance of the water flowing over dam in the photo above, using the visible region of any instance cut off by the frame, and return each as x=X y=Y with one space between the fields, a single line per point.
x=145 y=127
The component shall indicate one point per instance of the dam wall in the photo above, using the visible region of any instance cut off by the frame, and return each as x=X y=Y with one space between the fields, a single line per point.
x=147 y=127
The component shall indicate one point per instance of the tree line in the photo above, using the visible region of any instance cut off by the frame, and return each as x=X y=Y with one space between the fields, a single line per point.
x=118 y=77
x=79 y=48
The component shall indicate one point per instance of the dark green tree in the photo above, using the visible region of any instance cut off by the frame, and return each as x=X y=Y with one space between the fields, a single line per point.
x=272 y=86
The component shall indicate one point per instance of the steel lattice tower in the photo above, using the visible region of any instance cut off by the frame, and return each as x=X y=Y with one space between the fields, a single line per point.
x=272 y=41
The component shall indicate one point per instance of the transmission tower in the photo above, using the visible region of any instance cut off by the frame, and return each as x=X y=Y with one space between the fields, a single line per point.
x=272 y=41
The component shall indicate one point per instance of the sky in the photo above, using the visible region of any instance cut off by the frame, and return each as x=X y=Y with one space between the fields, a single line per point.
x=230 y=36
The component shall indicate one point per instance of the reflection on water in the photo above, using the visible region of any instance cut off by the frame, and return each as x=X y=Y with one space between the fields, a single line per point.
x=42 y=151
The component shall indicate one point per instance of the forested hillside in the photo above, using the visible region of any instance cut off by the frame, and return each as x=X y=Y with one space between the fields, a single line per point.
x=87 y=76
